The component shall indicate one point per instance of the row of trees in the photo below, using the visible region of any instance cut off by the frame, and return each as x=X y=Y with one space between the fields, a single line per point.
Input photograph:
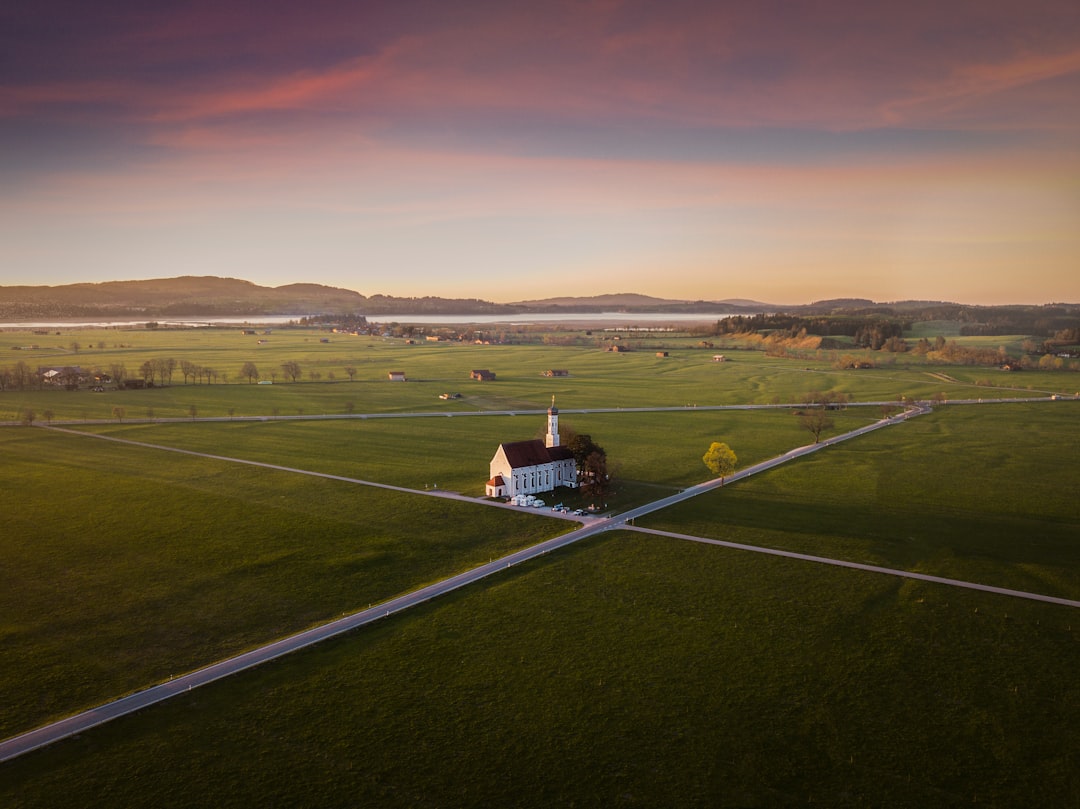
x=160 y=371
x=292 y=372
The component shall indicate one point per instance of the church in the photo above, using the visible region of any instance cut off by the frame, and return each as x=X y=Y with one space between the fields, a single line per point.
x=530 y=467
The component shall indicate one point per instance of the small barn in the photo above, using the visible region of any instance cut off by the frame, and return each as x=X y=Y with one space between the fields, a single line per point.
x=482 y=375
x=396 y=376
x=556 y=372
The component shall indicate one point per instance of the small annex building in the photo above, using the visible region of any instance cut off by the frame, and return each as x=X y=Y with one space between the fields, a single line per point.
x=530 y=467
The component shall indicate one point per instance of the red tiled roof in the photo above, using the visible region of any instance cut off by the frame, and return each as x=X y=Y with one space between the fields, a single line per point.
x=497 y=481
x=533 y=453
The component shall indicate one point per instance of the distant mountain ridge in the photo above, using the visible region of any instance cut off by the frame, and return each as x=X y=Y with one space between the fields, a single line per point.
x=210 y=296
x=173 y=297
x=231 y=297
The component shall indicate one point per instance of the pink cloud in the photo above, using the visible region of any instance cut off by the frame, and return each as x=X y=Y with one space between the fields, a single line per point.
x=835 y=66
x=970 y=84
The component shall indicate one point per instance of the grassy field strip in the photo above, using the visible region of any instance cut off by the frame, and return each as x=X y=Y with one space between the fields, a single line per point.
x=457 y=414
x=453 y=495
x=904 y=574
x=53 y=732
x=516 y=412
x=430 y=492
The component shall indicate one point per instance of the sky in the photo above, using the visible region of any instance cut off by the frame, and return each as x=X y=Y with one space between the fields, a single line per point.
x=779 y=151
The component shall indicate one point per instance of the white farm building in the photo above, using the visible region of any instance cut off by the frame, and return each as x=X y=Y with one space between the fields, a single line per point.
x=529 y=467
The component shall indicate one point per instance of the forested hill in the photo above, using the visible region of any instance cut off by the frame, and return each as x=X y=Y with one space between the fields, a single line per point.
x=222 y=297
x=231 y=297
x=173 y=297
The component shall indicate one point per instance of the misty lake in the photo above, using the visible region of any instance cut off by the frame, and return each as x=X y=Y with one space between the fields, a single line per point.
x=612 y=319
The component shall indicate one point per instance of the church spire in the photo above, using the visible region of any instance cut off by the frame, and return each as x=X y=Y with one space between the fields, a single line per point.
x=552 y=437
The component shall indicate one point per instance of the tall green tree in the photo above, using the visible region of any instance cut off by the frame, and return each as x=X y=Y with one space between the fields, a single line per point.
x=595 y=479
x=720 y=459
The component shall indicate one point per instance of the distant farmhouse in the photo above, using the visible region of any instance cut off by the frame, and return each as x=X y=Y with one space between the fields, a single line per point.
x=529 y=467
x=396 y=376
x=556 y=372
x=482 y=375
x=67 y=376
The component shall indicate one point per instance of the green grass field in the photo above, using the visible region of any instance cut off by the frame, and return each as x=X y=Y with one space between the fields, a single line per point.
x=632 y=670
x=981 y=493
x=598 y=378
x=176 y=561
x=661 y=449
x=121 y=566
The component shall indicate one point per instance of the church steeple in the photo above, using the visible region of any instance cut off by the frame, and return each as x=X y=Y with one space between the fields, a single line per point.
x=552 y=437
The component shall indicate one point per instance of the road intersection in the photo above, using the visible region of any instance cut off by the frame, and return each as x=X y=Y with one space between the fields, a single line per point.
x=590 y=526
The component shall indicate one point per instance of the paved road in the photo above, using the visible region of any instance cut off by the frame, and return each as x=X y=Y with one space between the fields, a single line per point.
x=39 y=737
x=24 y=743
x=564 y=411
x=905 y=574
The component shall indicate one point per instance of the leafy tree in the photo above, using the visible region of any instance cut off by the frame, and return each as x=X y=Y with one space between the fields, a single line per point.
x=118 y=413
x=720 y=459
x=595 y=479
x=582 y=446
x=249 y=372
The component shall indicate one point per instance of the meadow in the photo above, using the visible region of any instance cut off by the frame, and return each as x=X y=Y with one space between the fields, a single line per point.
x=176 y=561
x=597 y=378
x=122 y=566
x=630 y=670
x=637 y=670
x=982 y=493
x=659 y=449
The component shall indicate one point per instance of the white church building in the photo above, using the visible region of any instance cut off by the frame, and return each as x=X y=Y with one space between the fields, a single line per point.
x=530 y=467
